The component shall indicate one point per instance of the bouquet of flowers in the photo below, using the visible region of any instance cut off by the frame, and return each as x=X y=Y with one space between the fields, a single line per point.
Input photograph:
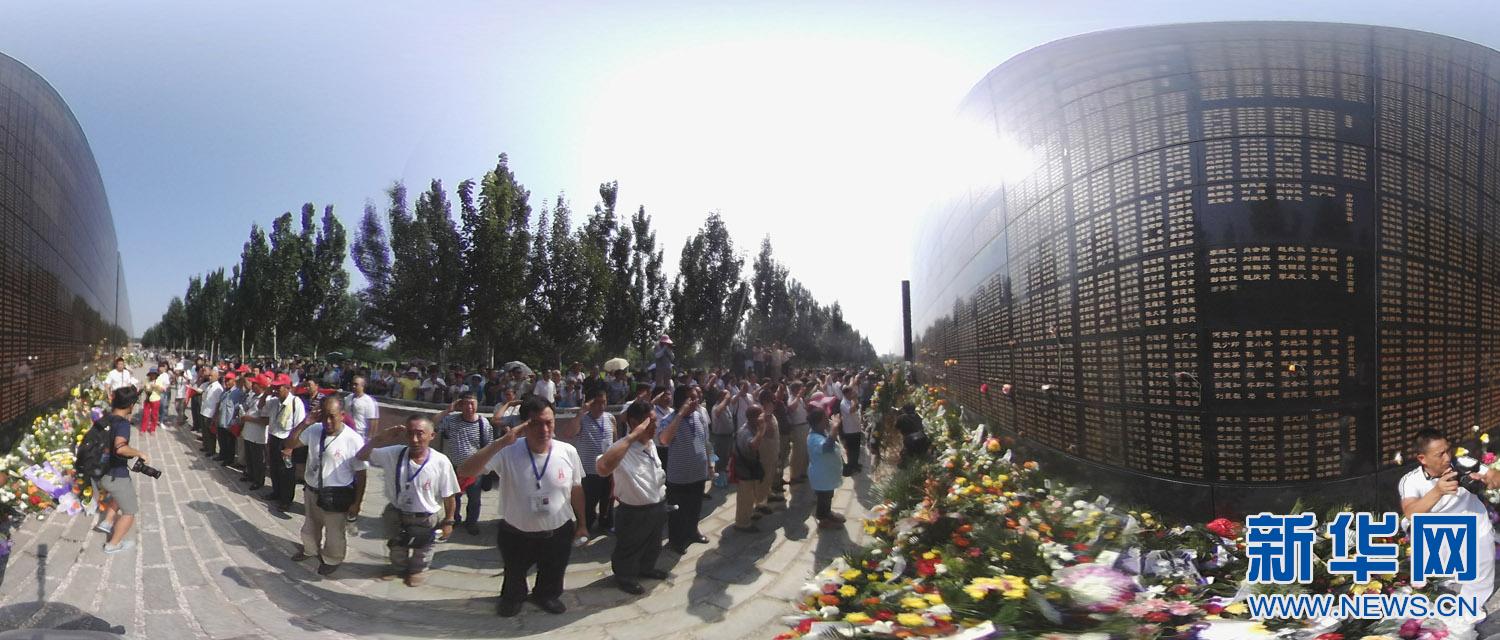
x=977 y=543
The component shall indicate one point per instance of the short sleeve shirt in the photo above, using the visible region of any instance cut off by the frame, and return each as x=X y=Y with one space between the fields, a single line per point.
x=639 y=478
x=413 y=487
x=687 y=454
x=363 y=409
x=331 y=461
x=536 y=490
x=1416 y=484
x=462 y=438
x=595 y=435
x=118 y=428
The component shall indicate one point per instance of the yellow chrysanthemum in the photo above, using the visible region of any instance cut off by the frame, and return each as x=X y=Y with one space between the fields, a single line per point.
x=913 y=602
x=911 y=620
x=856 y=618
x=934 y=598
x=847 y=591
x=850 y=574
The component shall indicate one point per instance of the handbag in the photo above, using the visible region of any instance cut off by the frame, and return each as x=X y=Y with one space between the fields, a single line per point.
x=332 y=498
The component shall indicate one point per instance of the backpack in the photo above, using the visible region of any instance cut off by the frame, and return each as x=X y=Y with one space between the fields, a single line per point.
x=94 y=455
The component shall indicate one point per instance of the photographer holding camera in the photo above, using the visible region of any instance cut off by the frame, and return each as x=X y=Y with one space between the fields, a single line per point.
x=121 y=501
x=418 y=483
x=1437 y=486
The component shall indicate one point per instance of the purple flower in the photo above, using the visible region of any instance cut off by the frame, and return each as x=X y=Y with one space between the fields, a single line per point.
x=4 y=547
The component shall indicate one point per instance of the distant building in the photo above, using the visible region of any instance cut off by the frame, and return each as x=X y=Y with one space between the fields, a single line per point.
x=1241 y=259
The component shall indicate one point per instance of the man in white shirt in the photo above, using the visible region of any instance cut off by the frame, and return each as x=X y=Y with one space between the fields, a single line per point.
x=546 y=386
x=419 y=482
x=254 y=419
x=164 y=380
x=1433 y=487
x=364 y=409
x=852 y=431
x=335 y=483
x=213 y=392
x=541 y=495
x=120 y=377
x=640 y=483
x=285 y=411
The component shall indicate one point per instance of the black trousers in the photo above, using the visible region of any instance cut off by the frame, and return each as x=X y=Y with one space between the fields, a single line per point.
x=282 y=481
x=637 y=539
x=473 y=493
x=682 y=524
x=851 y=450
x=825 y=504
x=255 y=463
x=206 y=434
x=227 y=444
x=548 y=551
x=596 y=501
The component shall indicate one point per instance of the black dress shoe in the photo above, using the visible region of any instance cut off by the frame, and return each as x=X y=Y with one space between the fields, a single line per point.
x=654 y=574
x=680 y=550
x=508 y=609
x=551 y=605
x=299 y=556
x=701 y=539
x=630 y=586
x=327 y=569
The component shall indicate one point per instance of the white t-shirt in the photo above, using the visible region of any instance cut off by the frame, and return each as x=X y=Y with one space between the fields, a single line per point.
x=852 y=422
x=639 y=478
x=363 y=409
x=165 y=381
x=1415 y=485
x=535 y=504
x=117 y=379
x=284 y=418
x=546 y=389
x=423 y=486
x=335 y=465
x=255 y=432
x=211 y=394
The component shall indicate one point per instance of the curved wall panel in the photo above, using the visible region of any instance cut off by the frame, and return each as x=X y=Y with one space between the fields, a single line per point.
x=61 y=288
x=1244 y=257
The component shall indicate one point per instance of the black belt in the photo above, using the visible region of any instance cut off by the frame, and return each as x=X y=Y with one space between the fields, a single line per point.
x=640 y=507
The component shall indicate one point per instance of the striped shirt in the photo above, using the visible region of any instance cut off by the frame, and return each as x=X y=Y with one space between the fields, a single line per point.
x=463 y=438
x=595 y=435
x=687 y=455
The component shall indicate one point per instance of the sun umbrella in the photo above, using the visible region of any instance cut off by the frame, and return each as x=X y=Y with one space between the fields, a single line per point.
x=525 y=370
x=616 y=364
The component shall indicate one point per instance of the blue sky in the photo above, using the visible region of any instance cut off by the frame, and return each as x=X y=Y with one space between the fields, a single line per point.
x=809 y=122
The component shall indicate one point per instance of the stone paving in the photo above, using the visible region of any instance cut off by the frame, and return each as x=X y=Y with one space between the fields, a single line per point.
x=213 y=561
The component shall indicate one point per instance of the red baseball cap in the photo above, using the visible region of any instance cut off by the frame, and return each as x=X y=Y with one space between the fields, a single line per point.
x=281 y=380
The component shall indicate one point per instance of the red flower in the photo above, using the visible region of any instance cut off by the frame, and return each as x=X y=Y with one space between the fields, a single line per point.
x=1180 y=590
x=960 y=541
x=1085 y=559
x=975 y=552
x=1069 y=535
x=1157 y=616
x=830 y=588
x=1081 y=546
x=926 y=568
x=884 y=614
x=804 y=626
x=1330 y=636
x=1223 y=528
x=1213 y=609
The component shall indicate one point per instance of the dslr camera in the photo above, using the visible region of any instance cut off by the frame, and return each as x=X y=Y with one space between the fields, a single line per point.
x=147 y=470
x=1465 y=465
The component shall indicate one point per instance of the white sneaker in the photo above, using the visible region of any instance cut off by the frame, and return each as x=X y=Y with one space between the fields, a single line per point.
x=104 y=529
x=127 y=545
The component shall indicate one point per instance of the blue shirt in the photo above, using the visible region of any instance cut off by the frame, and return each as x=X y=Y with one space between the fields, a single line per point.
x=824 y=466
x=229 y=405
x=687 y=454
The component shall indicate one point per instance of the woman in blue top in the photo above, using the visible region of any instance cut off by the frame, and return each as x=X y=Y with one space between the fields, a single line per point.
x=688 y=469
x=824 y=464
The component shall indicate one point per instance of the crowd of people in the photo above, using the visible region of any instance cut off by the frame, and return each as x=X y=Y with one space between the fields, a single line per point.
x=634 y=462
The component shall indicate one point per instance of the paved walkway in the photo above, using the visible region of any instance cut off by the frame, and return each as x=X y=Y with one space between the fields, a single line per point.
x=214 y=562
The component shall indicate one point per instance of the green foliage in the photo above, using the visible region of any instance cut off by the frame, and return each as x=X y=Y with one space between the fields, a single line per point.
x=497 y=285
x=709 y=298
